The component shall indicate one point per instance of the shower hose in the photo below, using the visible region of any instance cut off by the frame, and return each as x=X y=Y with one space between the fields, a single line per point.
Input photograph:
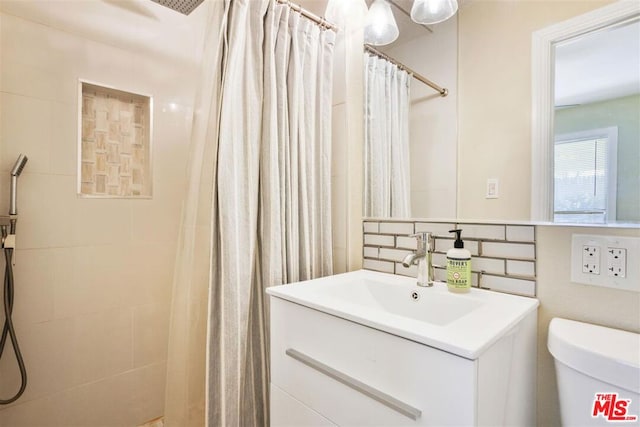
x=7 y=330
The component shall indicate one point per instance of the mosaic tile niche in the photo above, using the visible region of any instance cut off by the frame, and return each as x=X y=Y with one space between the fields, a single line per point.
x=115 y=143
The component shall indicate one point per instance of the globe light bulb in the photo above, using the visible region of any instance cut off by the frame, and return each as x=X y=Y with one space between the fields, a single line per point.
x=380 y=27
x=433 y=11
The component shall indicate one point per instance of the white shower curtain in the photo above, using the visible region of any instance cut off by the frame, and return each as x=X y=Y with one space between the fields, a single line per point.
x=387 y=172
x=270 y=193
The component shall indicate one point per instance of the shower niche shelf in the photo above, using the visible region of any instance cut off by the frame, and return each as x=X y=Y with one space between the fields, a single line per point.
x=114 y=147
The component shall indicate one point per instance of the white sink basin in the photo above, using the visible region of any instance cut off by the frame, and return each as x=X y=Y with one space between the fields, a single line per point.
x=463 y=324
x=437 y=308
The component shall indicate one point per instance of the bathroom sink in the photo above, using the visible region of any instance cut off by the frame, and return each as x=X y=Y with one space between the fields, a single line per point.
x=462 y=324
x=437 y=308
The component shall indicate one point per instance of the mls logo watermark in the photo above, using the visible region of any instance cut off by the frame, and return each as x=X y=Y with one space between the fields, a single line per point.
x=612 y=408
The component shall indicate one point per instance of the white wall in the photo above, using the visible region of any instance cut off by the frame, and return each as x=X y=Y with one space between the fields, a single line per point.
x=494 y=84
x=433 y=124
x=93 y=277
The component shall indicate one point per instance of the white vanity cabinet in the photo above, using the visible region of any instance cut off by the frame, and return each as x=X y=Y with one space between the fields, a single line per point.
x=327 y=370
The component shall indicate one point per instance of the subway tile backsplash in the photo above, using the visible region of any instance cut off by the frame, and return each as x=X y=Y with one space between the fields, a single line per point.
x=503 y=256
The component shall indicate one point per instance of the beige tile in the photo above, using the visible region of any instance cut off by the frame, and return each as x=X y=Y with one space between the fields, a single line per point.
x=156 y=422
x=401 y=228
x=384 y=266
x=155 y=220
x=59 y=218
x=64 y=140
x=104 y=403
x=51 y=411
x=88 y=170
x=393 y=254
x=33 y=280
x=404 y=242
x=102 y=345
x=439 y=259
x=97 y=282
x=371 y=252
x=101 y=222
x=48 y=355
x=521 y=268
x=378 y=240
x=435 y=228
x=524 y=233
x=509 y=250
x=371 y=227
x=505 y=284
x=482 y=231
x=19 y=134
x=488 y=265
x=411 y=271
x=33 y=228
x=28 y=80
x=150 y=333
x=443 y=245
x=147 y=392
x=149 y=278
x=45 y=210
x=37 y=45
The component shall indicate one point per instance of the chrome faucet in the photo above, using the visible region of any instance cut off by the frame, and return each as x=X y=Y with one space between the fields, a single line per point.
x=422 y=258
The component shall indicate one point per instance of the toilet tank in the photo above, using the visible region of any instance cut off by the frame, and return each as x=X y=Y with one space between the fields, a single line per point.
x=598 y=373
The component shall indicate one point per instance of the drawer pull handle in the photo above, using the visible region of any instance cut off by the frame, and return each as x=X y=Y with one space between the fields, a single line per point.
x=385 y=399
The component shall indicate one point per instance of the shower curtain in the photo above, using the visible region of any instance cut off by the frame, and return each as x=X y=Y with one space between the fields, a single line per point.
x=263 y=166
x=386 y=153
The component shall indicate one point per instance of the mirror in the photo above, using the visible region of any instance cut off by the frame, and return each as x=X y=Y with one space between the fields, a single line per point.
x=597 y=126
x=588 y=163
x=428 y=172
x=478 y=139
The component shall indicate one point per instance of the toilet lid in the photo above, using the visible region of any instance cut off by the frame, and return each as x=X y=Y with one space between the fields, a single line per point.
x=610 y=355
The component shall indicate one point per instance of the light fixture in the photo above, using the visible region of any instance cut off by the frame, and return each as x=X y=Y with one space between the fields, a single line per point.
x=380 y=26
x=433 y=11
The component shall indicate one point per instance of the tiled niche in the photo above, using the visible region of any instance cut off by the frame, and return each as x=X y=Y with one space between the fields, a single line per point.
x=503 y=256
x=115 y=143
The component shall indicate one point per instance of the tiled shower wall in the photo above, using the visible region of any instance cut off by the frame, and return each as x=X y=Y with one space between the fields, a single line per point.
x=503 y=256
x=93 y=275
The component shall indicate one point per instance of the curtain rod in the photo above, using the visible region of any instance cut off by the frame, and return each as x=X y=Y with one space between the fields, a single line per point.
x=443 y=91
x=312 y=16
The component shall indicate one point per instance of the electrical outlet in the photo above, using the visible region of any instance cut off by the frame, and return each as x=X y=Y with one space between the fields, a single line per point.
x=617 y=262
x=591 y=259
x=609 y=261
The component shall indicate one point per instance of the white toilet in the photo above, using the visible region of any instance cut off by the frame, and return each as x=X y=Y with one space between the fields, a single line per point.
x=598 y=371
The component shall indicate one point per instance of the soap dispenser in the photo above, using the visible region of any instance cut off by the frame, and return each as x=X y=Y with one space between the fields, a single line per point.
x=458 y=266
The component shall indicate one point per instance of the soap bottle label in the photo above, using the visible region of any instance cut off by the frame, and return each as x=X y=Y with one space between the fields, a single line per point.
x=458 y=273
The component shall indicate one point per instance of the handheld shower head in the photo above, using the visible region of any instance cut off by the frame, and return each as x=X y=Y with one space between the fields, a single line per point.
x=19 y=165
x=15 y=173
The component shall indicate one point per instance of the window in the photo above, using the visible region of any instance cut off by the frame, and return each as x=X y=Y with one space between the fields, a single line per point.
x=585 y=176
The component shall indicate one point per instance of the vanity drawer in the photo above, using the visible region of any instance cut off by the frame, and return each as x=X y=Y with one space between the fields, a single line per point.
x=356 y=375
x=289 y=412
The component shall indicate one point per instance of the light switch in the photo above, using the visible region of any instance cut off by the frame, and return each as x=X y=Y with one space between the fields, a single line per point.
x=492 y=188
